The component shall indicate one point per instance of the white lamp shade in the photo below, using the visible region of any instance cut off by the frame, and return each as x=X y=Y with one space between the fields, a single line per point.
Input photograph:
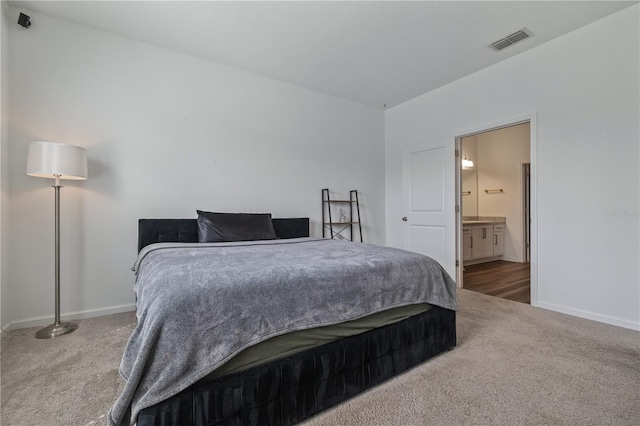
x=51 y=160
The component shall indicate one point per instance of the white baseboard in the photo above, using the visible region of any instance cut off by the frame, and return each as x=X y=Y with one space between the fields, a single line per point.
x=620 y=322
x=489 y=259
x=482 y=260
x=90 y=313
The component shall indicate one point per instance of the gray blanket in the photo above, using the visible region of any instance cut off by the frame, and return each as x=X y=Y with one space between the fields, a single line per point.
x=198 y=305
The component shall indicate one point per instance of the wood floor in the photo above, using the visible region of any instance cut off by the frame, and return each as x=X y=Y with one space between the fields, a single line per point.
x=508 y=280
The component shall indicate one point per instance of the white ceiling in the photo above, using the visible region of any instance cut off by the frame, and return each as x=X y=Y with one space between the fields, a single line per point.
x=374 y=53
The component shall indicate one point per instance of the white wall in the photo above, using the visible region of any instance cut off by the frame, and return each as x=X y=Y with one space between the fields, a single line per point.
x=501 y=154
x=5 y=306
x=585 y=89
x=166 y=134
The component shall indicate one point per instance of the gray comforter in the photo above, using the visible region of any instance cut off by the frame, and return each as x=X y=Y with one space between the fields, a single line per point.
x=198 y=305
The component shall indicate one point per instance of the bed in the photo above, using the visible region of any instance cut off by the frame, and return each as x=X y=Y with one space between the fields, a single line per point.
x=309 y=354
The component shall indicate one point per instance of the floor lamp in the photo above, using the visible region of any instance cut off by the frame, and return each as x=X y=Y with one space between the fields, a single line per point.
x=56 y=161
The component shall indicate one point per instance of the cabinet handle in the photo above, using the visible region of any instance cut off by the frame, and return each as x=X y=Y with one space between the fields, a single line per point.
x=484 y=233
x=404 y=219
x=495 y=236
x=471 y=242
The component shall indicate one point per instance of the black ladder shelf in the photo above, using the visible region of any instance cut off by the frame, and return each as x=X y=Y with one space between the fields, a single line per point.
x=344 y=222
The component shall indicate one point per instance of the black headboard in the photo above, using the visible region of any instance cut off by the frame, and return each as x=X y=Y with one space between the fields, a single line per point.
x=186 y=230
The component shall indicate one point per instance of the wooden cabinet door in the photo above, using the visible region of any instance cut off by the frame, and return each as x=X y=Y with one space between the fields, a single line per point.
x=498 y=240
x=467 y=243
x=482 y=241
x=498 y=243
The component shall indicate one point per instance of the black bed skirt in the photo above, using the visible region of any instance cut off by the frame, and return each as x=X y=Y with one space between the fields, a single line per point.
x=291 y=389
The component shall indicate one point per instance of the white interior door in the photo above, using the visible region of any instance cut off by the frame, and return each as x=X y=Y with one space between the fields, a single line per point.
x=428 y=173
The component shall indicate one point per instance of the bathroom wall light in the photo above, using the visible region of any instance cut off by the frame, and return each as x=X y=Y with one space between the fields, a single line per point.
x=467 y=163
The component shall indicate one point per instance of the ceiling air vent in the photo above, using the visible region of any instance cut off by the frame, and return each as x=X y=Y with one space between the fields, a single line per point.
x=511 y=39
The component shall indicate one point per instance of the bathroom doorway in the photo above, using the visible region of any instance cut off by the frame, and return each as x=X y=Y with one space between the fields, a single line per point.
x=496 y=205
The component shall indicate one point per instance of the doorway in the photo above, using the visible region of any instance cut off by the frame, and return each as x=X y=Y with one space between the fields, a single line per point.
x=495 y=204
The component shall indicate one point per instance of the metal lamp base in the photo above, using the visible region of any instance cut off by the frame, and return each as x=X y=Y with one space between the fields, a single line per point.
x=55 y=330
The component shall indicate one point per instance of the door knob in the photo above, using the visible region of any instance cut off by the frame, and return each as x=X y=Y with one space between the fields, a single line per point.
x=404 y=218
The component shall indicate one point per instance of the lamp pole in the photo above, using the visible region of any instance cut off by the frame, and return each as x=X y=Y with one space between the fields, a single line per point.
x=58 y=328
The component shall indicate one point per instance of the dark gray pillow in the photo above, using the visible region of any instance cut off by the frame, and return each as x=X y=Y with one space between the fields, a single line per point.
x=226 y=227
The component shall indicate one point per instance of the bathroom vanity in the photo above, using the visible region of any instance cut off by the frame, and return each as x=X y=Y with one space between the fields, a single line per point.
x=482 y=239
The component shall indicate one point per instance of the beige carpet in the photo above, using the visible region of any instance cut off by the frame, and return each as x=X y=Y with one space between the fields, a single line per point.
x=514 y=365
